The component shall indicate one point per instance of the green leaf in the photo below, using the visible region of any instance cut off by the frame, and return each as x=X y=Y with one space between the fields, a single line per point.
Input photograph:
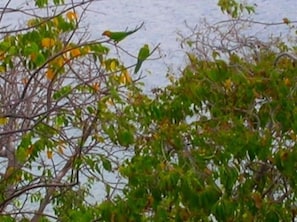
x=106 y=163
x=63 y=92
x=58 y=2
x=99 y=49
x=125 y=138
x=41 y=3
x=26 y=140
x=5 y=45
x=31 y=48
x=40 y=59
x=5 y=218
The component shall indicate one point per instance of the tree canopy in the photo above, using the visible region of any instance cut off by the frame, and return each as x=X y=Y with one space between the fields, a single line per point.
x=217 y=144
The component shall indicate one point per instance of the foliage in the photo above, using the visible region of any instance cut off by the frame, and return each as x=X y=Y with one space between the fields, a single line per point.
x=62 y=108
x=235 y=8
x=217 y=144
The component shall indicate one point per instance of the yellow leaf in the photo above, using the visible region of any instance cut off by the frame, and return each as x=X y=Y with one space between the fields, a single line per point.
x=9 y=171
x=122 y=78
x=32 y=22
x=71 y=15
x=50 y=74
x=99 y=138
x=109 y=102
x=287 y=82
x=49 y=154
x=75 y=52
x=228 y=84
x=86 y=49
x=113 y=66
x=127 y=76
x=2 y=69
x=59 y=61
x=56 y=21
x=47 y=42
x=3 y=120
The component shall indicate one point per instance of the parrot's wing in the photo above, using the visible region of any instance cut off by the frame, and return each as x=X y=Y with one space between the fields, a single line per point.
x=143 y=54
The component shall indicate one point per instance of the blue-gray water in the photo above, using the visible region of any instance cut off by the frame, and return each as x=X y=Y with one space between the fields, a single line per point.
x=163 y=20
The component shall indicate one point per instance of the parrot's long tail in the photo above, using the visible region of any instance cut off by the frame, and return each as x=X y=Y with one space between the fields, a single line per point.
x=136 y=29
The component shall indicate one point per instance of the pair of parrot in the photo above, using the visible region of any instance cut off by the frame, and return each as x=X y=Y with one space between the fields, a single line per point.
x=143 y=53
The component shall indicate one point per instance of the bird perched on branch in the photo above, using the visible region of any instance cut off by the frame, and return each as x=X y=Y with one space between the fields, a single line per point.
x=119 y=36
x=143 y=54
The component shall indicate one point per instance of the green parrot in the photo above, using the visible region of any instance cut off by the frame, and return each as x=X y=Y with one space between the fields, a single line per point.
x=119 y=36
x=143 y=54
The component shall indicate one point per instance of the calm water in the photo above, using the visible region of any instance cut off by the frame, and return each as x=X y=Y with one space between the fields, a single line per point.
x=163 y=20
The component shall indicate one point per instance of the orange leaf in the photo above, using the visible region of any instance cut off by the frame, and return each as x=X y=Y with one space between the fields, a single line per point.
x=71 y=15
x=29 y=150
x=75 y=52
x=25 y=80
x=47 y=42
x=49 y=154
x=257 y=199
x=50 y=74
x=96 y=86
x=2 y=55
x=287 y=82
x=33 y=56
